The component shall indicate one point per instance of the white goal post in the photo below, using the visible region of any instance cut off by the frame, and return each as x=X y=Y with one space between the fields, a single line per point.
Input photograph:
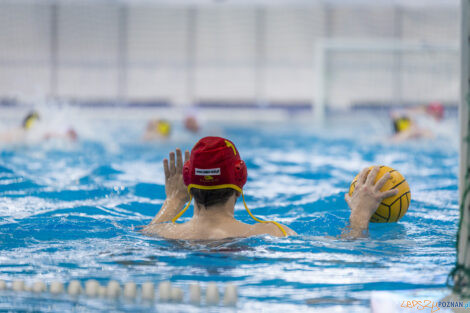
x=334 y=57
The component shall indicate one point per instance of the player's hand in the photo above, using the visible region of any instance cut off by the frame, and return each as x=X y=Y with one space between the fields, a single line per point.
x=174 y=185
x=367 y=196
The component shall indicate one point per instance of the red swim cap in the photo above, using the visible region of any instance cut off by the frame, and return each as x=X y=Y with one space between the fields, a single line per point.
x=436 y=109
x=215 y=164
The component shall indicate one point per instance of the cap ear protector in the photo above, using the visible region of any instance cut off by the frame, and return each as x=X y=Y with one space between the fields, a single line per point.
x=241 y=173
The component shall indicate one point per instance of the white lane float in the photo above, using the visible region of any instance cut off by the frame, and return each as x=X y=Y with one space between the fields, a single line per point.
x=130 y=291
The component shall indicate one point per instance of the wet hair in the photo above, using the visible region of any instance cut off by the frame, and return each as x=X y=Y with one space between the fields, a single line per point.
x=209 y=198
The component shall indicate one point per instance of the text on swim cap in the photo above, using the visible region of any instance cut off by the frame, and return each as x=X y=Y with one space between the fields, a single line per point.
x=207 y=172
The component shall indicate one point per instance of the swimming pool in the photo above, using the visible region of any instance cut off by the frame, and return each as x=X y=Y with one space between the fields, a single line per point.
x=72 y=211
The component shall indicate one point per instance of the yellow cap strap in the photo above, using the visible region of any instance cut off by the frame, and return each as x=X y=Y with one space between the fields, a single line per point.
x=232 y=186
x=183 y=210
x=261 y=221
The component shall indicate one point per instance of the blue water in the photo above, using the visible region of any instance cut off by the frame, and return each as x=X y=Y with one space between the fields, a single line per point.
x=72 y=211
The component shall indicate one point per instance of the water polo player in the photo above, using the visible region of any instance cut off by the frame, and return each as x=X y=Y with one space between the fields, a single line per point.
x=157 y=129
x=418 y=122
x=19 y=134
x=30 y=119
x=214 y=175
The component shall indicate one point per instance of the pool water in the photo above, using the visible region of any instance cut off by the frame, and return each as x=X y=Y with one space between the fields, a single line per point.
x=72 y=211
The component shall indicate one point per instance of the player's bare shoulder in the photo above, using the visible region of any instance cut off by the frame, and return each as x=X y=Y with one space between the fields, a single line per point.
x=165 y=230
x=270 y=229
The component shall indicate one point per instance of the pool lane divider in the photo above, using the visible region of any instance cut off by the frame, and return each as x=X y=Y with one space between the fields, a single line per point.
x=130 y=291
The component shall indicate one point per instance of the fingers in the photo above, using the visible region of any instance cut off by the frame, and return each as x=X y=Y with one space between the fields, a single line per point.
x=166 y=169
x=172 y=164
x=363 y=176
x=382 y=181
x=372 y=175
x=389 y=193
x=179 y=161
x=175 y=165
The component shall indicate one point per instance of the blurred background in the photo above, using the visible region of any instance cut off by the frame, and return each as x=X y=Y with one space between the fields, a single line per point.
x=281 y=57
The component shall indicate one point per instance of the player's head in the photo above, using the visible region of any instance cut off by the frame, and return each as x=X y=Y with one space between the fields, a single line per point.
x=215 y=171
x=30 y=119
x=401 y=124
x=435 y=109
x=191 y=124
x=160 y=127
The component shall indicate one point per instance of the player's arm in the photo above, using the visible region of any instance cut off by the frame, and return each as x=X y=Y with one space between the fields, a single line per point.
x=176 y=192
x=364 y=201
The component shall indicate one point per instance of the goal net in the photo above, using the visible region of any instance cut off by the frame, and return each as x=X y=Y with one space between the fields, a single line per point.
x=380 y=74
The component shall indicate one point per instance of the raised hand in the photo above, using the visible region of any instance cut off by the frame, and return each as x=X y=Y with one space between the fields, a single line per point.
x=367 y=196
x=174 y=185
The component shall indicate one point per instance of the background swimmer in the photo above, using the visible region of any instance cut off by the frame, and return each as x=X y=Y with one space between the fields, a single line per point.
x=30 y=119
x=157 y=129
x=32 y=130
x=19 y=134
x=419 y=122
x=191 y=124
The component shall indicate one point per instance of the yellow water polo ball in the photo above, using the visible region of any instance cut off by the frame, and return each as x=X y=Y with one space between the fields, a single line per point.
x=393 y=208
